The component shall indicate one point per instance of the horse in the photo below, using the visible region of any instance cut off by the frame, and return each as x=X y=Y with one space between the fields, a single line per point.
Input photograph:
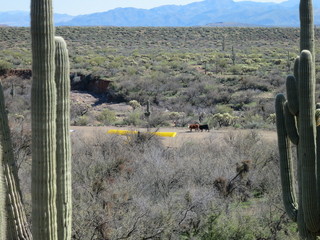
x=194 y=126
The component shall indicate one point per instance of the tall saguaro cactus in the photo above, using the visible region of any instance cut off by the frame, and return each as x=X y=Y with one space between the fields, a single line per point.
x=64 y=197
x=17 y=221
x=51 y=150
x=50 y=112
x=43 y=122
x=3 y=220
x=306 y=26
x=296 y=122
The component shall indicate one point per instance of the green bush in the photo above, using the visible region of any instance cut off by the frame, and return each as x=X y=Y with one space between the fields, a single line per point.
x=134 y=118
x=106 y=117
x=221 y=120
x=221 y=227
x=4 y=65
x=134 y=104
x=82 y=121
x=223 y=109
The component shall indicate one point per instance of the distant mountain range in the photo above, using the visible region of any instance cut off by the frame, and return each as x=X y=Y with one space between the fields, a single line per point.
x=205 y=13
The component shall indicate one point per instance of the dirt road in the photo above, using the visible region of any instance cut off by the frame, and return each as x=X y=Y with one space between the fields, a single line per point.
x=183 y=134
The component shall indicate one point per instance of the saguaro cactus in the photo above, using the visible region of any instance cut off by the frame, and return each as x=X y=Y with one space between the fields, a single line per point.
x=306 y=26
x=3 y=220
x=148 y=111
x=50 y=110
x=299 y=129
x=50 y=70
x=17 y=221
x=64 y=197
x=43 y=122
x=296 y=120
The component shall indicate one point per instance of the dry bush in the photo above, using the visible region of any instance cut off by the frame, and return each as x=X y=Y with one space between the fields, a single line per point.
x=135 y=188
x=131 y=188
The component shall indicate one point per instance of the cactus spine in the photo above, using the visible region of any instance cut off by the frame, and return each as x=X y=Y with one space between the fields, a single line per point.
x=64 y=197
x=43 y=122
x=296 y=119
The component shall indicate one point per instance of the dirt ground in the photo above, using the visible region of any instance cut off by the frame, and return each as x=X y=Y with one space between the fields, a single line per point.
x=183 y=134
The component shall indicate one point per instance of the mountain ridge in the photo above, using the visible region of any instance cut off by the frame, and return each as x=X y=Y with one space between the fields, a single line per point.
x=204 y=13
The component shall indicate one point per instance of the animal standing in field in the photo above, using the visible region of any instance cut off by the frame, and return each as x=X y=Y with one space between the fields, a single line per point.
x=204 y=127
x=194 y=126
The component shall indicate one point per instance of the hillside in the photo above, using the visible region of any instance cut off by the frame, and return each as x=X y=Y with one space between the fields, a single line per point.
x=202 y=13
x=183 y=72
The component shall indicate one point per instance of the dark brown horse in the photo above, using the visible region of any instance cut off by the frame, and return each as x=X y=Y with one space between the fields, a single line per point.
x=194 y=126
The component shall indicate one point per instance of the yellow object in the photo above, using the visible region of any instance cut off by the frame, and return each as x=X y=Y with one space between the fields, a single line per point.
x=128 y=132
x=121 y=132
x=165 y=134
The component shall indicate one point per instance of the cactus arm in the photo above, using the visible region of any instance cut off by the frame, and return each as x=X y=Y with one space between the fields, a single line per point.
x=64 y=197
x=43 y=122
x=288 y=193
x=307 y=142
x=291 y=125
x=292 y=95
x=17 y=221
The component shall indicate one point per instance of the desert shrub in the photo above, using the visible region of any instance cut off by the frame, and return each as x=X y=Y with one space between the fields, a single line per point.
x=81 y=121
x=134 y=104
x=222 y=120
x=238 y=225
x=4 y=65
x=158 y=119
x=271 y=118
x=252 y=83
x=255 y=121
x=77 y=110
x=134 y=118
x=236 y=69
x=106 y=117
x=17 y=92
x=135 y=188
x=219 y=108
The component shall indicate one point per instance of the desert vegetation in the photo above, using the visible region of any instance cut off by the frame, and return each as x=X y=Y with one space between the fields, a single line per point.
x=184 y=71
x=135 y=187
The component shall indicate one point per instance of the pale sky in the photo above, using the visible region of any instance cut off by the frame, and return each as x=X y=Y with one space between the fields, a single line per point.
x=76 y=7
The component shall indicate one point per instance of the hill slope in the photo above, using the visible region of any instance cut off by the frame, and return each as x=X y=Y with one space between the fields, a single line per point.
x=208 y=12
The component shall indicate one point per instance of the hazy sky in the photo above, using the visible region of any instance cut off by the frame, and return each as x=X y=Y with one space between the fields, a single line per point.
x=76 y=7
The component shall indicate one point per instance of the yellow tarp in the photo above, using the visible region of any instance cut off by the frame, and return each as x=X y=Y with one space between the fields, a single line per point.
x=128 y=132
x=165 y=134
x=121 y=132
